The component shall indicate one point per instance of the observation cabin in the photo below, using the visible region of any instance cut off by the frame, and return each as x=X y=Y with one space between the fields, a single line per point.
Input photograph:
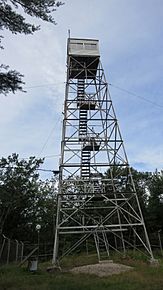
x=83 y=58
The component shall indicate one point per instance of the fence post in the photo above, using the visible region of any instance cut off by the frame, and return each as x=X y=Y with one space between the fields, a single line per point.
x=22 y=251
x=17 y=249
x=8 y=250
x=160 y=244
x=3 y=244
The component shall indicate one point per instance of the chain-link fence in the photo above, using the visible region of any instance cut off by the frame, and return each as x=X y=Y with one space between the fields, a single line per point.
x=156 y=239
x=43 y=253
x=15 y=251
x=10 y=250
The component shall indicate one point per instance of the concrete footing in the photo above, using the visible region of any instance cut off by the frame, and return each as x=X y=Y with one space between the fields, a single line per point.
x=53 y=269
x=105 y=261
x=154 y=263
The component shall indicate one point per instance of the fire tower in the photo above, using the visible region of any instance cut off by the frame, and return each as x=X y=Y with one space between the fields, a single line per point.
x=97 y=202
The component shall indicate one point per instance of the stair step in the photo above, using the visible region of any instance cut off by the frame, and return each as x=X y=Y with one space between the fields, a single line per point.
x=84 y=174
x=85 y=157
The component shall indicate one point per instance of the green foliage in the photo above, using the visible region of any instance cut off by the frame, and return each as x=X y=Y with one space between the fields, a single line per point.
x=45 y=209
x=141 y=180
x=25 y=200
x=149 y=188
x=16 y=23
x=10 y=80
x=155 y=206
x=18 y=188
x=12 y=20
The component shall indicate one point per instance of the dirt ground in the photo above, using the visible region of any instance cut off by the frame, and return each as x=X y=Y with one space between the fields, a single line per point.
x=102 y=269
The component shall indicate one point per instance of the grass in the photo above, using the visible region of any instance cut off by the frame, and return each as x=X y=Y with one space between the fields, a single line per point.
x=143 y=277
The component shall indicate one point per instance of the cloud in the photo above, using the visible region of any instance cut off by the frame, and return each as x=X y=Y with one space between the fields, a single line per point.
x=131 y=50
x=151 y=158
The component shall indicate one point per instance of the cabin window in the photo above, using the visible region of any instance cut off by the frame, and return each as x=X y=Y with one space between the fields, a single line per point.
x=77 y=46
x=90 y=46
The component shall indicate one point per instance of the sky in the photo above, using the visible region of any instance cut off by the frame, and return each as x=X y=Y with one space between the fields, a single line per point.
x=131 y=48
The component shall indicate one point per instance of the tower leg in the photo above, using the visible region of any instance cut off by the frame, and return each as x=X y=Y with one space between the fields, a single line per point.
x=56 y=239
x=55 y=250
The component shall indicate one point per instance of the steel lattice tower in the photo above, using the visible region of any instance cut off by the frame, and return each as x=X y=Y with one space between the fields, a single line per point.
x=92 y=205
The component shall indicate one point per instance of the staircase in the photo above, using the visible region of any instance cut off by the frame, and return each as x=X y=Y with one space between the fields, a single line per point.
x=88 y=146
x=82 y=111
x=82 y=125
x=85 y=164
x=102 y=245
x=80 y=92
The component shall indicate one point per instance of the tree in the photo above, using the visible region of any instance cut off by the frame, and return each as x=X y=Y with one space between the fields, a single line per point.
x=155 y=205
x=141 y=182
x=10 y=80
x=18 y=192
x=45 y=209
x=12 y=20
